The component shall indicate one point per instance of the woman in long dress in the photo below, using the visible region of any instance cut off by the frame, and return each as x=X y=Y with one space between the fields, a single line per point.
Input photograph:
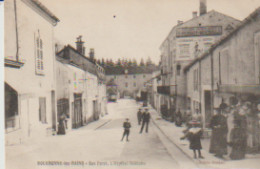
x=238 y=141
x=218 y=142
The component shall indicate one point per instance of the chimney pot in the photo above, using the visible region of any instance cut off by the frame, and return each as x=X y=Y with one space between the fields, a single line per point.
x=203 y=7
x=80 y=45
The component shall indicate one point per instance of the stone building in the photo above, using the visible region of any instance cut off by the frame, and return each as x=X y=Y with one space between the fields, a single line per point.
x=30 y=109
x=130 y=80
x=230 y=70
x=81 y=90
x=186 y=41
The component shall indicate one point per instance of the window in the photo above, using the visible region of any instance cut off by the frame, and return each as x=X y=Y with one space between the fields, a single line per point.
x=178 y=70
x=134 y=84
x=184 y=49
x=42 y=109
x=126 y=85
x=39 y=55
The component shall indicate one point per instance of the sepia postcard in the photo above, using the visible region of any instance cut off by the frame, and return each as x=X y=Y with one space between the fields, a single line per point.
x=131 y=84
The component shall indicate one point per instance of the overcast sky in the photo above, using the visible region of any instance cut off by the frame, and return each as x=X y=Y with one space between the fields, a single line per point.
x=131 y=28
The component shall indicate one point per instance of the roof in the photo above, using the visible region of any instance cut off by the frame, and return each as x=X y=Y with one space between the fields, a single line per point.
x=119 y=70
x=45 y=9
x=224 y=39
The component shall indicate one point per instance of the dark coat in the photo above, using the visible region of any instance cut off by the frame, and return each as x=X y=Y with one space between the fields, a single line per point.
x=194 y=138
x=139 y=115
x=146 y=117
x=238 y=143
x=127 y=125
x=218 y=142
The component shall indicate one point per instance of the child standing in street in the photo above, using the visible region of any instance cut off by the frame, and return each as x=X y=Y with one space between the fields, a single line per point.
x=194 y=134
x=127 y=126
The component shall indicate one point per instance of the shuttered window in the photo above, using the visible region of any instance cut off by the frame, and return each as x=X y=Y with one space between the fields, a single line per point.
x=39 y=56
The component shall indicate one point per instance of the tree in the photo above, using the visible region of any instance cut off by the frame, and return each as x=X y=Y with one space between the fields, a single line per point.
x=149 y=61
x=142 y=62
x=130 y=63
x=102 y=62
x=119 y=63
x=134 y=63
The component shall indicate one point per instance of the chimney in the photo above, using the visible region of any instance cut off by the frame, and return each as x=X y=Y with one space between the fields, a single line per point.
x=179 y=22
x=80 y=45
x=203 y=7
x=92 y=53
x=194 y=14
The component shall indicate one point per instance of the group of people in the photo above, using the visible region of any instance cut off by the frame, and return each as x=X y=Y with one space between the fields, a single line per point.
x=221 y=137
x=143 y=119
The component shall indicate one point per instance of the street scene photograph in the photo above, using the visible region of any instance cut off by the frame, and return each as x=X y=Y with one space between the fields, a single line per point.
x=131 y=84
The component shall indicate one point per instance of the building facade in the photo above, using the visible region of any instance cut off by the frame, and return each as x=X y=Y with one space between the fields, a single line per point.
x=186 y=41
x=130 y=80
x=30 y=110
x=80 y=86
x=230 y=71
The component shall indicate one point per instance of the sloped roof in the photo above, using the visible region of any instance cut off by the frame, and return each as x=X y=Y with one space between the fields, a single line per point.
x=225 y=38
x=45 y=9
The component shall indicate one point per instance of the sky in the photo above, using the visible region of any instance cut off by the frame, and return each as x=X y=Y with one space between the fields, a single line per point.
x=131 y=28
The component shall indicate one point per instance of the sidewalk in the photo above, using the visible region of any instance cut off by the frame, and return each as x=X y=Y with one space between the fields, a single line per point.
x=175 y=133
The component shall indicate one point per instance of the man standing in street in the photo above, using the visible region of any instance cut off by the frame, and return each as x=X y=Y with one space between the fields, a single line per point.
x=127 y=126
x=139 y=116
x=145 y=120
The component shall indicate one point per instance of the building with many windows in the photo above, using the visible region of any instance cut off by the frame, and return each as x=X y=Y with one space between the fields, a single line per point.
x=130 y=80
x=30 y=109
x=184 y=43
x=229 y=71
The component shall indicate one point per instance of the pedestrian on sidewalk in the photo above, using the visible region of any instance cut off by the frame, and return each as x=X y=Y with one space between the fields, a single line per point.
x=139 y=116
x=127 y=126
x=238 y=141
x=218 y=141
x=145 y=120
x=178 y=121
x=61 y=126
x=194 y=134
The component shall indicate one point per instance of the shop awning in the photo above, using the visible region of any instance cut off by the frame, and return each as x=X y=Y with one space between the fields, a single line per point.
x=240 y=89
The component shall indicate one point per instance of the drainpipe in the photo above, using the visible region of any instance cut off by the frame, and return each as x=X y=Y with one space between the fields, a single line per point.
x=200 y=86
x=212 y=81
x=16 y=31
x=219 y=67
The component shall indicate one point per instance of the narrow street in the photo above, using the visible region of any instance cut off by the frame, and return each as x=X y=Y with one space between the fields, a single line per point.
x=98 y=145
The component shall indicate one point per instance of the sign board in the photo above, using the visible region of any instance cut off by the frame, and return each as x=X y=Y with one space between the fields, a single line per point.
x=199 y=31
